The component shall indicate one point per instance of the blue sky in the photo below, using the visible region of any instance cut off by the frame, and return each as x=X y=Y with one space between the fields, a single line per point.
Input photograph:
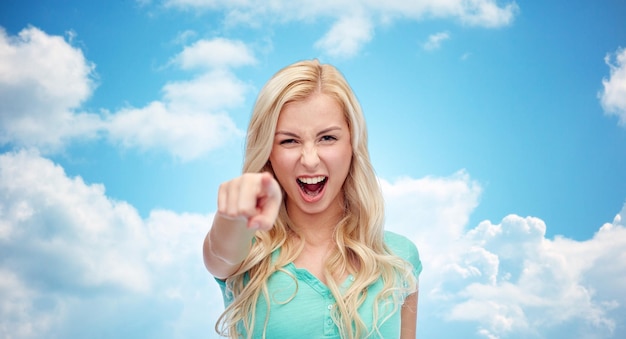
x=498 y=130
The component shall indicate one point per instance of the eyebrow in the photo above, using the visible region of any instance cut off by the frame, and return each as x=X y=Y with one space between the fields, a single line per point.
x=322 y=132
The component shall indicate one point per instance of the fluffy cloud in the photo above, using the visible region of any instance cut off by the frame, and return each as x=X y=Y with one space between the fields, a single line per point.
x=40 y=98
x=541 y=283
x=354 y=20
x=507 y=279
x=613 y=98
x=70 y=253
x=38 y=95
x=434 y=41
x=217 y=53
x=187 y=122
x=346 y=37
x=180 y=123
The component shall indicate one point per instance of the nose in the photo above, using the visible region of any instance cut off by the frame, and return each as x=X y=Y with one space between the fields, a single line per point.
x=310 y=158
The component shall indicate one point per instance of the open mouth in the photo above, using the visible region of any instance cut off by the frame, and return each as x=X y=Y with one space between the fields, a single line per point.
x=312 y=186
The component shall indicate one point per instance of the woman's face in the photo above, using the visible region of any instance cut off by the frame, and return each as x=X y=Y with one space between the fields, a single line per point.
x=311 y=154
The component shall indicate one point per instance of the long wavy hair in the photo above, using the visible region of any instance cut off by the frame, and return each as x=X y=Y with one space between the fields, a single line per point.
x=360 y=248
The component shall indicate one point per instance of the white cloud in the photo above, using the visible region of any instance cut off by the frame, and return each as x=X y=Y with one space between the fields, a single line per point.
x=486 y=13
x=184 y=37
x=354 y=20
x=40 y=98
x=186 y=123
x=507 y=278
x=613 y=98
x=75 y=261
x=209 y=92
x=187 y=135
x=67 y=250
x=43 y=79
x=346 y=37
x=189 y=120
x=216 y=53
x=434 y=41
x=62 y=77
x=539 y=283
x=66 y=214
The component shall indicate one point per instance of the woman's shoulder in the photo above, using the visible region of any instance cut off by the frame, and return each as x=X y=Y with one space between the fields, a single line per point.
x=396 y=240
x=403 y=247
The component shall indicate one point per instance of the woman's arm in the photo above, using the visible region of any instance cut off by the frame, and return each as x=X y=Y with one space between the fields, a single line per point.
x=245 y=204
x=226 y=245
x=408 y=320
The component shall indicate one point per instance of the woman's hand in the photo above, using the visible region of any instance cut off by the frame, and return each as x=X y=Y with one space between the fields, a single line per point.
x=244 y=205
x=254 y=197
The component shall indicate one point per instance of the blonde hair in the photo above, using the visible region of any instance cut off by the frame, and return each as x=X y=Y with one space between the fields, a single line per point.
x=360 y=247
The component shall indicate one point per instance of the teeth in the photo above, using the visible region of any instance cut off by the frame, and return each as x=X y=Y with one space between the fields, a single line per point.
x=312 y=181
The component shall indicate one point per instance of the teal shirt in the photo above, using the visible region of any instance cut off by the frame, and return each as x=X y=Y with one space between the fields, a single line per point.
x=307 y=314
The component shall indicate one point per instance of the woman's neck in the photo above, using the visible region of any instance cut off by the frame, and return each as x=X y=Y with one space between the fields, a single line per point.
x=316 y=229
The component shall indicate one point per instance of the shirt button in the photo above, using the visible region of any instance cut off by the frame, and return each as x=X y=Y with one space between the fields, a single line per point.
x=330 y=307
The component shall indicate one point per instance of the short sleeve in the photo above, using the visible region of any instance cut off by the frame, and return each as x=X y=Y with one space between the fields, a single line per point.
x=406 y=249
x=227 y=295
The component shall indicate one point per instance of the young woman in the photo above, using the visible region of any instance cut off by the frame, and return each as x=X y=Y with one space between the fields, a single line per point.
x=297 y=244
